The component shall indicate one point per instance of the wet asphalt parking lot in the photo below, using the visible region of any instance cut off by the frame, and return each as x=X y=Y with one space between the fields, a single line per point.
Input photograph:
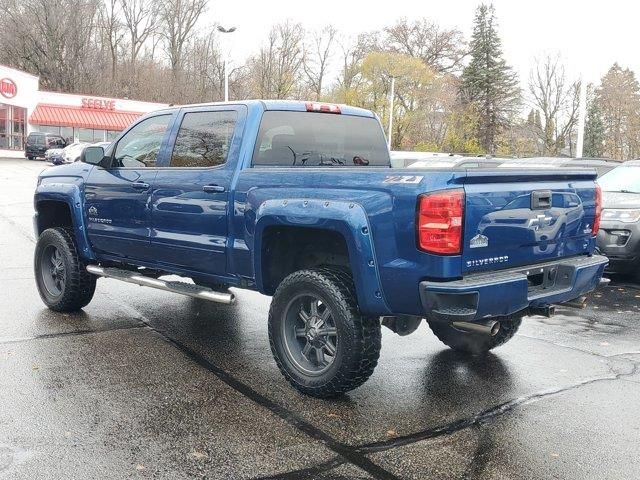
x=148 y=384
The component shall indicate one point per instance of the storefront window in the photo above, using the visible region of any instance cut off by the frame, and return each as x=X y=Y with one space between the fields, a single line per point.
x=46 y=129
x=98 y=135
x=85 y=135
x=12 y=121
x=112 y=135
x=67 y=134
x=4 y=115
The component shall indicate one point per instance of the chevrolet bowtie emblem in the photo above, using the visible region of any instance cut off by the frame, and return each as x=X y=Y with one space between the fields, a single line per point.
x=540 y=221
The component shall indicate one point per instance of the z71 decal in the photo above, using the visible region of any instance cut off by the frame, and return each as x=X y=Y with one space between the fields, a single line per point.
x=403 y=178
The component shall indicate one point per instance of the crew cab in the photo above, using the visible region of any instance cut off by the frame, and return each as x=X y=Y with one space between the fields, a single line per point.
x=298 y=201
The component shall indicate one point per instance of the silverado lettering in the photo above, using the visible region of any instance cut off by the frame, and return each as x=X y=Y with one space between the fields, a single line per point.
x=487 y=261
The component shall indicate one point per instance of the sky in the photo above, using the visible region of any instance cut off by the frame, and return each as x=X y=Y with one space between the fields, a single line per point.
x=589 y=35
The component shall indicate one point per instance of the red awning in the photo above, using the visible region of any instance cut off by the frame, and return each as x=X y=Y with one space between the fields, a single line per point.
x=58 y=115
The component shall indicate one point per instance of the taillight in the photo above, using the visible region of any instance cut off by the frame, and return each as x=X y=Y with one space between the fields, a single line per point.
x=323 y=107
x=439 y=222
x=596 y=220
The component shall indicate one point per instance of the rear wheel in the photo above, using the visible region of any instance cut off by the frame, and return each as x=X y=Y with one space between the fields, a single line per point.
x=61 y=276
x=322 y=344
x=473 y=342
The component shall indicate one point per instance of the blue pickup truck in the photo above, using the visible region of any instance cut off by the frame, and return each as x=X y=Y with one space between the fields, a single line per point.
x=298 y=201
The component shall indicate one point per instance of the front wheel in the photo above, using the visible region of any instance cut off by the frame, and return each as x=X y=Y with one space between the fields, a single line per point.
x=61 y=276
x=472 y=342
x=320 y=341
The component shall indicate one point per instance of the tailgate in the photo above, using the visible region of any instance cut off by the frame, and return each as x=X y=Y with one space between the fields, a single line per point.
x=520 y=218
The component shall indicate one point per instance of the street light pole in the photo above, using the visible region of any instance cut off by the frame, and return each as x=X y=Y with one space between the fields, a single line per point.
x=393 y=86
x=221 y=29
x=226 y=81
x=582 y=117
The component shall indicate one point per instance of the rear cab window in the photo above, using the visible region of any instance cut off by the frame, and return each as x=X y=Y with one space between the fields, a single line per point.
x=311 y=139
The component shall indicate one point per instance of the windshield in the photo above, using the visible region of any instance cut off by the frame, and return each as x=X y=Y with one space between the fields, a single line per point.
x=621 y=179
x=309 y=139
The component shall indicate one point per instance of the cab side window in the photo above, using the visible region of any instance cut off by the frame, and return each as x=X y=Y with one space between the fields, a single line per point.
x=140 y=146
x=204 y=139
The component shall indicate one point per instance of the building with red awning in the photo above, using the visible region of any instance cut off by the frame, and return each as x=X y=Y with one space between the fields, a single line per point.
x=24 y=108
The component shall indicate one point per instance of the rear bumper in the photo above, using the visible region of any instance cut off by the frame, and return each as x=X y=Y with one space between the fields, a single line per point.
x=509 y=291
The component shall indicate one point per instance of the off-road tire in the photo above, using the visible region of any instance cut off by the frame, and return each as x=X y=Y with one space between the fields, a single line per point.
x=79 y=285
x=472 y=342
x=358 y=336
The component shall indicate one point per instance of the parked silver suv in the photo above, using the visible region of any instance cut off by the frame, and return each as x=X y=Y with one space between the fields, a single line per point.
x=619 y=236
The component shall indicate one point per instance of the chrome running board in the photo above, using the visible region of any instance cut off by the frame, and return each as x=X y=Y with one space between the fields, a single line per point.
x=181 y=288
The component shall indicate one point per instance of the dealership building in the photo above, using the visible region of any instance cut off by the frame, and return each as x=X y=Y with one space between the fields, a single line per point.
x=24 y=108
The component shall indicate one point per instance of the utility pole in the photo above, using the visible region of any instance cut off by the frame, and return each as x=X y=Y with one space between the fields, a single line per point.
x=582 y=117
x=221 y=29
x=391 y=99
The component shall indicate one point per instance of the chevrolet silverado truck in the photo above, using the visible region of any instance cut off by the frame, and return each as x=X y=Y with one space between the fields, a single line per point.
x=298 y=201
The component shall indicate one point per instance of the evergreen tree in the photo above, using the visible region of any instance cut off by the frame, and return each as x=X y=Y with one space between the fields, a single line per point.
x=538 y=121
x=488 y=82
x=531 y=118
x=594 y=132
x=618 y=99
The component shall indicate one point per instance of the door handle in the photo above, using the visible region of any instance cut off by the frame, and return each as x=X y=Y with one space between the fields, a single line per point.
x=140 y=185
x=213 y=188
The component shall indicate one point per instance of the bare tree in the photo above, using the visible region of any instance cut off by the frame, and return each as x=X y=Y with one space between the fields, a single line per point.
x=204 y=66
x=556 y=98
x=111 y=27
x=275 y=70
x=140 y=19
x=178 y=18
x=352 y=55
x=36 y=37
x=441 y=49
x=317 y=57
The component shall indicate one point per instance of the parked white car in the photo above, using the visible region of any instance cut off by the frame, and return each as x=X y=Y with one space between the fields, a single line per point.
x=54 y=155
x=71 y=153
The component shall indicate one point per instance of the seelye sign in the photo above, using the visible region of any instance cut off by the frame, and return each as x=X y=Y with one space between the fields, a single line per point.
x=8 y=88
x=98 y=103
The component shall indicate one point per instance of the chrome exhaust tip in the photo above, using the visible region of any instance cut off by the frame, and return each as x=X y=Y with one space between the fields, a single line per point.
x=491 y=328
x=495 y=328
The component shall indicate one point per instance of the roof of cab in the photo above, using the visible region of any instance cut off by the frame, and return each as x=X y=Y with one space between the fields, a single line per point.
x=277 y=105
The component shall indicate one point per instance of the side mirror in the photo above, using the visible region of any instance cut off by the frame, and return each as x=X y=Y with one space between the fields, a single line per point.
x=92 y=155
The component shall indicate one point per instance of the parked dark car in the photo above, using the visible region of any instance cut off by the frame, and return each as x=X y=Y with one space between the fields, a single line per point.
x=39 y=142
x=619 y=236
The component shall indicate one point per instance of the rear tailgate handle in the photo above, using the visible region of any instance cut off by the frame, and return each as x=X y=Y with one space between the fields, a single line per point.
x=213 y=188
x=140 y=185
x=541 y=199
